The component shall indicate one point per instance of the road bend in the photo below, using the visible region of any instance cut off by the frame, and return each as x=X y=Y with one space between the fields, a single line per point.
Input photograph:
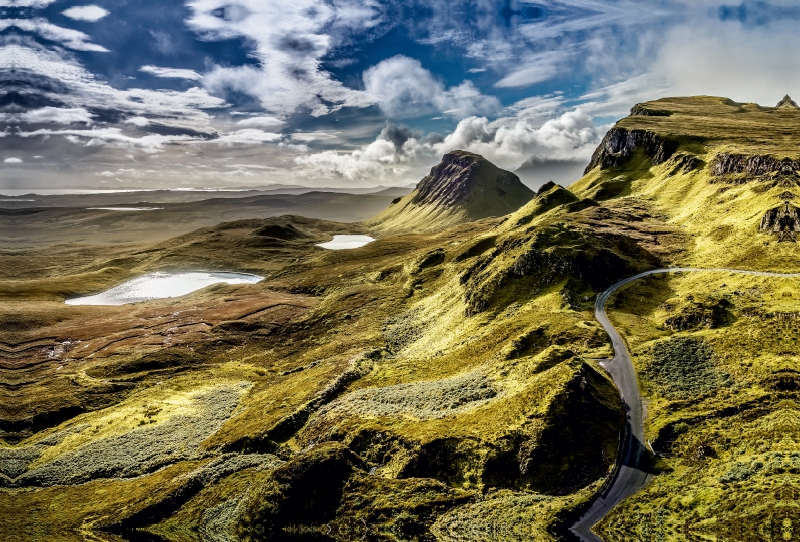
x=632 y=472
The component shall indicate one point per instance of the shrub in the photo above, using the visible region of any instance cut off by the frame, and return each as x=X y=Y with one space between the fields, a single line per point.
x=685 y=366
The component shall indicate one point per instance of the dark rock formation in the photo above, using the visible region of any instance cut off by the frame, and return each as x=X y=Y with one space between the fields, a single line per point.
x=732 y=164
x=463 y=187
x=618 y=146
x=787 y=103
x=461 y=176
x=784 y=221
x=685 y=163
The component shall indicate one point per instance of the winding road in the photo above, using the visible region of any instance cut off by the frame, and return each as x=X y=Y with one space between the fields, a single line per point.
x=632 y=472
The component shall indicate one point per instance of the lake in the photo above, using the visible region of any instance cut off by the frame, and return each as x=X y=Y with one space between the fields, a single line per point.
x=162 y=285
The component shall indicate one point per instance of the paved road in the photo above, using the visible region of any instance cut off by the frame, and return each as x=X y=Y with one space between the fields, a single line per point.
x=632 y=472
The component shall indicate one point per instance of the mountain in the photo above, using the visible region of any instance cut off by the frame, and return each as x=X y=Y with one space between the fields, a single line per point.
x=442 y=385
x=715 y=167
x=463 y=187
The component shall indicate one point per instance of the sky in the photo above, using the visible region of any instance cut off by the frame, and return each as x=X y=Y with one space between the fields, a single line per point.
x=355 y=93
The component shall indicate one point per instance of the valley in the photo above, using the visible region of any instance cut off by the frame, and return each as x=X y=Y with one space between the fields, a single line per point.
x=449 y=381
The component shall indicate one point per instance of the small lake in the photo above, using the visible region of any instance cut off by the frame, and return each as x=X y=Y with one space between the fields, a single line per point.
x=124 y=208
x=345 y=242
x=161 y=286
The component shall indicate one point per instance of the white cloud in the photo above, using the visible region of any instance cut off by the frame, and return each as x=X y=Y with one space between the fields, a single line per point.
x=248 y=136
x=260 y=122
x=90 y=13
x=72 y=39
x=314 y=136
x=57 y=115
x=510 y=141
x=113 y=137
x=507 y=141
x=137 y=121
x=173 y=73
x=403 y=88
x=78 y=88
x=536 y=68
x=290 y=38
x=12 y=160
x=374 y=162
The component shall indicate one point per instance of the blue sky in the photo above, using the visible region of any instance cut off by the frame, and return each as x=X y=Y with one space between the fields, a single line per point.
x=175 y=93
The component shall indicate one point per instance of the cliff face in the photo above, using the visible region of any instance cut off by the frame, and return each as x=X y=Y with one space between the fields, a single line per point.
x=733 y=164
x=619 y=143
x=463 y=187
x=462 y=177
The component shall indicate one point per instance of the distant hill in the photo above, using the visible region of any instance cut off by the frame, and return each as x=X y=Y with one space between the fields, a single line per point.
x=463 y=187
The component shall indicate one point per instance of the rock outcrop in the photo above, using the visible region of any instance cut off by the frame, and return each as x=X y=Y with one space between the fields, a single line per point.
x=783 y=221
x=463 y=187
x=619 y=144
x=734 y=164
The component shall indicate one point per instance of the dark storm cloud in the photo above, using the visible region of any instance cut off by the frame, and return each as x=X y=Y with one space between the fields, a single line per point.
x=397 y=134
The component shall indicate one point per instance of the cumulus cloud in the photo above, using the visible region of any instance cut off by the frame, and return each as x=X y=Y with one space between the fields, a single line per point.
x=400 y=153
x=173 y=73
x=403 y=88
x=290 y=38
x=90 y=13
x=374 y=162
x=12 y=160
x=509 y=142
x=260 y=122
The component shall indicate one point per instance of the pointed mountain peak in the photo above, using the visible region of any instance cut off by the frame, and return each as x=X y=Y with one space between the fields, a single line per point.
x=787 y=103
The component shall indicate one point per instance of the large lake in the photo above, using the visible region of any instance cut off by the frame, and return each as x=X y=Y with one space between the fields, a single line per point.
x=160 y=286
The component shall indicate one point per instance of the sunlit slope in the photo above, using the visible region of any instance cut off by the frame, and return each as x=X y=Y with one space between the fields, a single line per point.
x=713 y=167
x=718 y=366
x=462 y=188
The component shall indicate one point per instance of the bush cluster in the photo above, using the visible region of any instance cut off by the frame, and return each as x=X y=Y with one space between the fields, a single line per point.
x=685 y=366
x=141 y=450
x=426 y=400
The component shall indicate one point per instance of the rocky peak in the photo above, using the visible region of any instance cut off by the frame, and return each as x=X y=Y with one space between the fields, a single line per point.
x=463 y=176
x=787 y=103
